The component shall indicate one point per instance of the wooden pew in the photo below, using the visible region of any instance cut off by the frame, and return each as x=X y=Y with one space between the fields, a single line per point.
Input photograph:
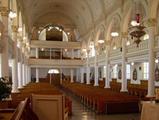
x=103 y=100
x=34 y=89
x=24 y=111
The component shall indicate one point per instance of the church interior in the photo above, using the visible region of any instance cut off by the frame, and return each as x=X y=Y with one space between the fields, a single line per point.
x=79 y=59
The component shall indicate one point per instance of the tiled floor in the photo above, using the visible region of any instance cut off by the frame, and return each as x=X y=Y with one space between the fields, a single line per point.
x=82 y=113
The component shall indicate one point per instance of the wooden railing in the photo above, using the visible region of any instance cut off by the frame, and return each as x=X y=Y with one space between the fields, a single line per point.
x=40 y=89
x=24 y=111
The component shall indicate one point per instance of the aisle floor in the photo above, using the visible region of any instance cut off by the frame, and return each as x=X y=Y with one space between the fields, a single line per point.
x=79 y=112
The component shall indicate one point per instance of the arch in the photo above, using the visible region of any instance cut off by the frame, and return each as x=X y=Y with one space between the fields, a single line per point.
x=90 y=39
x=153 y=9
x=15 y=9
x=112 y=21
x=100 y=33
x=126 y=17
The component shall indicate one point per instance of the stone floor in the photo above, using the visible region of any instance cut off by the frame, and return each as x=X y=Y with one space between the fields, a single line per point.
x=79 y=112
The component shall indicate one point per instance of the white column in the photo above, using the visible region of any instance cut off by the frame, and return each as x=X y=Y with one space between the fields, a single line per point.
x=23 y=72
x=37 y=75
x=82 y=73
x=20 y=82
x=61 y=76
x=96 y=70
x=107 y=69
x=88 y=69
x=14 y=76
x=72 y=54
x=124 y=80
x=20 y=67
x=37 y=69
x=72 y=71
x=77 y=71
x=151 y=85
x=26 y=76
x=15 y=62
x=29 y=74
x=5 y=54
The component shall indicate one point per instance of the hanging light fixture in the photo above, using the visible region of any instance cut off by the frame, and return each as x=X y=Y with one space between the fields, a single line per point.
x=137 y=29
x=12 y=14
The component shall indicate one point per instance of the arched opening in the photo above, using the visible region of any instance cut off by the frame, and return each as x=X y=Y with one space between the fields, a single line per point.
x=53 y=33
x=115 y=32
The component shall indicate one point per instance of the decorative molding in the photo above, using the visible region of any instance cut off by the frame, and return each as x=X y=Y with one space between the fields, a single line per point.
x=4 y=11
x=124 y=34
x=151 y=22
x=63 y=63
x=55 y=44
x=14 y=28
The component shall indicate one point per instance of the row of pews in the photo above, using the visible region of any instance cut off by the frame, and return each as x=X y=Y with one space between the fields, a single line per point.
x=139 y=90
x=39 y=101
x=103 y=100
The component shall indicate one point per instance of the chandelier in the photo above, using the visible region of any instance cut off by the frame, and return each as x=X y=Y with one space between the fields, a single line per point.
x=137 y=30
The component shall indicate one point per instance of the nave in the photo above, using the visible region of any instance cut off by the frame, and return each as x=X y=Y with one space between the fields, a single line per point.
x=103 y=52
x=43 y=95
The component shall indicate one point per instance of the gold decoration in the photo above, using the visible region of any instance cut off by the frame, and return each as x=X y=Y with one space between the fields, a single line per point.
x=124 y=34
x=4 y=11
x=14 y=28
x=151 y=22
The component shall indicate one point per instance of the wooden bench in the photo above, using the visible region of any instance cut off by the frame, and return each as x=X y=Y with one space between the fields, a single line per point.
x=24 y=111
x=103 y=100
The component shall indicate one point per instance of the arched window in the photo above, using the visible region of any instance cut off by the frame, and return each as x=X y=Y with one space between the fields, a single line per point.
x=128 y=71
x=115 y=71
x=53 y=33
x=145 y=70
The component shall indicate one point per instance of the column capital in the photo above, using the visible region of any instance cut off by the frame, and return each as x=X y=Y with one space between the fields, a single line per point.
x=124 y=34
x=4 y=11
x=14 y=28
x=151 y=22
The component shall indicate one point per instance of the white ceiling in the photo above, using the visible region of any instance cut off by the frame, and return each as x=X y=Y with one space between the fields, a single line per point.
x=81 y=14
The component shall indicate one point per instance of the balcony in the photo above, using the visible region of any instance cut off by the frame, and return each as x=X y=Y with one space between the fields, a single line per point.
x=58 y=63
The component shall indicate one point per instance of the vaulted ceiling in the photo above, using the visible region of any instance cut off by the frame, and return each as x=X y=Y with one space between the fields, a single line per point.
x=80 y=14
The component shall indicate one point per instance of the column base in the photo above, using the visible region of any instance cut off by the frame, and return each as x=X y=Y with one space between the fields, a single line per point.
x=123 y=90
x=96 y=84
x=150 y=96
x=20 y=87
x=88 y=83
x=15 y=91
x=106 y=86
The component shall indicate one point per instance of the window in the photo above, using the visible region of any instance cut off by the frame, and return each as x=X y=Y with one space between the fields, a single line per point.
x=115 y=71
x=146 y=70
x=92 y=52
x=104 y=71
x=53 y=71
x=128 y=71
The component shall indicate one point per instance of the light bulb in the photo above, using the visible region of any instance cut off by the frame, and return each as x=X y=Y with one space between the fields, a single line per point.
x=114 y=34
x=114 y=48
x=156 y=61
x=100 y=41
x=12 y=14
x=128 y=43
x=132 y=63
